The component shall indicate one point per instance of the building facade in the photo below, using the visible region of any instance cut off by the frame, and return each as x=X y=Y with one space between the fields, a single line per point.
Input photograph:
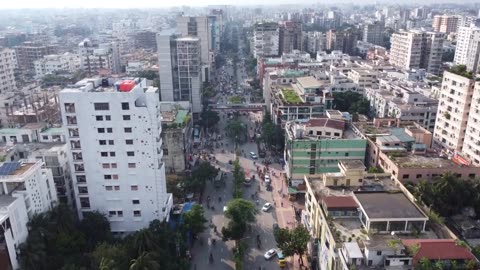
x=113 y=132
x=101 y=58
x=445 y=23
x=180 y=70
x=266 y=39
x=51 y=64
x=417 y=49
x=28 y=52
x=467 y=50
x=373 y=33
x=7 y=68
x=290 y=36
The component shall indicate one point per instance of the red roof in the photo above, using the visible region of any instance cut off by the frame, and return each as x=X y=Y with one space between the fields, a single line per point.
x=340 y=202
x=326 y=122
x=439 y=249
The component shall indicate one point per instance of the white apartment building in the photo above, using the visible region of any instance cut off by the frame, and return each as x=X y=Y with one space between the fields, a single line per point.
x=471 y=144
x=113 y=129
x=417 y=49
x=445 y=23
x=7 y=67
x=453 y=111
x=314 y=41
x=99 y=58
x=266 y=39
x=404 y=103
x=51 y=64
x=363 y=77
x=180 y=73
x=465 y=48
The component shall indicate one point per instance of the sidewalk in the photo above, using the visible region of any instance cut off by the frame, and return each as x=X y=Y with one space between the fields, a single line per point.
x=285 y=214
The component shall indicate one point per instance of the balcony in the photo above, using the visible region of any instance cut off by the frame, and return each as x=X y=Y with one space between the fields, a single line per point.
x=77 y=156
x=79 y=168
x=70 y=107
x=75 y=145
x=71 y=120
x=73 y=132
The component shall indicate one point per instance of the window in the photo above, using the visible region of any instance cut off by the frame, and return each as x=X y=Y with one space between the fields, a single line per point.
x=81 y=179
x=112 y=154
x=99 y=118
x=419 y=176
x=379 y=253
x=130 y=153
x=115 y=176
x=114 y=165
x=128 y=141
x=125 y=106
x=120 y=213
x=104 y=154
x=108 y=188
x=85 y=202
x=101 y=130
x=101 y=106
x=128 y=130
x=132 y=165
x=117 y=188
x=102 y=142
x=107 y=177
x=406 y=176
x=112 y=213
x=110 y=142
x=135 y=187
x=108 y=118
x=136 y=201
x=109 y=130
x=126 y=117
x=106 y=165
x=137 y=213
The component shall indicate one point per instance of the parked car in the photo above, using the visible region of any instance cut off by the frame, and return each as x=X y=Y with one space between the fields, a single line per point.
x=266 y=207
x=270 y=254
x=267 y=179
x=253 y=155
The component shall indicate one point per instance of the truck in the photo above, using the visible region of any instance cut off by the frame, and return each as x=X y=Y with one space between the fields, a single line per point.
x=219 y=179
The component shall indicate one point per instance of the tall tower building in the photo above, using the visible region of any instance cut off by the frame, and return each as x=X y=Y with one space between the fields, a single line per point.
x=417 y=49
x=266 y=39
x=7 y=67
x=468 y=47
x=373 y=33
x=113 y=132
x=290 y=36
x=199 y=27
x=445 y=23
x=180 y=70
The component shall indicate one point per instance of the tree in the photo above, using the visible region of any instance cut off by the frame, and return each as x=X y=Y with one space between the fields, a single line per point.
x=143 y=241
x=424 y=264
x=238 y=179
x=110 y=257
x=236 y=131
x=293 y=241
x=145 y=261
x=33 y=253
x=351 y=102
x=209 y=118
x=194 y=220
x=241 y=213
x=96 y=228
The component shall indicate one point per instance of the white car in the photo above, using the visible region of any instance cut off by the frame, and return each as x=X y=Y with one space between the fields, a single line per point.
x=225 y=209
x=270 y=254
x=266 y=207
x=267 y=179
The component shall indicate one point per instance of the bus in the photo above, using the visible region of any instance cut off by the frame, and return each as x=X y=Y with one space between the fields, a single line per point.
x=261 y=149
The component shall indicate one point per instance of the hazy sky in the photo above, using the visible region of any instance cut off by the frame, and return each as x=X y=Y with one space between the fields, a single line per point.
x=6 y=4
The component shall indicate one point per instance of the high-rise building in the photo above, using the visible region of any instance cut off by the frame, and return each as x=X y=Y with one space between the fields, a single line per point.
x=314 y=41
x=344 y=40
x=467 y=50
x=373 y=33
x=445 y=23
x=417 y=49
x=266 y=39
x=290 y=36
x=180 y=73
x=28 y=52
x=453 y=110
x=199 y=27
x=113 y=132
x=7 y=67
x=146 y=40
x=216 y=23
x=96 y=58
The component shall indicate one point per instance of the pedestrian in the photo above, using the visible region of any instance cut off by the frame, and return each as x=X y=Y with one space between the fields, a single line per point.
x=281 y=204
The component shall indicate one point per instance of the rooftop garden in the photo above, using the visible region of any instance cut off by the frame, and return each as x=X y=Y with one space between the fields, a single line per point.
x=462 y=71
x=236 y=100
x=290 y=96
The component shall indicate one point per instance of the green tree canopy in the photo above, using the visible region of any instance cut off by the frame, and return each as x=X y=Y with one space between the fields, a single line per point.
x=293 y=241
x=209 y=118
x=194 y=220
x=241 y=213
x=236 y=131
x=351 y=102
